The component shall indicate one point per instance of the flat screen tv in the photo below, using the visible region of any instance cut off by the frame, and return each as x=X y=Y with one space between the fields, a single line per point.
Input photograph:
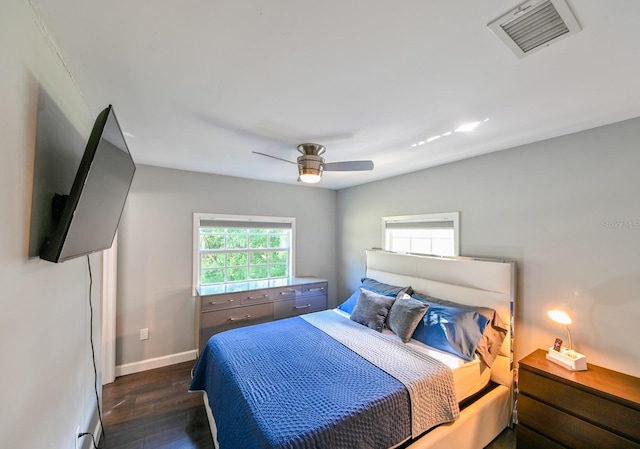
x=89 y=215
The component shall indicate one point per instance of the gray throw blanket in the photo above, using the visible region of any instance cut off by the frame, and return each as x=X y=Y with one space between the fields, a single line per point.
x=428 y=381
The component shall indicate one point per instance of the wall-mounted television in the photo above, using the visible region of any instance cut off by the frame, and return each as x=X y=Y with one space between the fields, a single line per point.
x=88 y=217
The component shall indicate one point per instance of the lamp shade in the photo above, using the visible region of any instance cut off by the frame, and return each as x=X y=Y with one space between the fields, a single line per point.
x=559 y=316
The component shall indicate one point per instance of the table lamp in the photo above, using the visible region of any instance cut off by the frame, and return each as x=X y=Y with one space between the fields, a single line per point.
x=565 y=357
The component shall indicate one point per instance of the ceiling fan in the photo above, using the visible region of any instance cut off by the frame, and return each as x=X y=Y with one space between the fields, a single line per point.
x=311 y=164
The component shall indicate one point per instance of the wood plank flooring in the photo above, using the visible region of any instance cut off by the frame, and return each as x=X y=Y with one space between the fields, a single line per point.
x=153 y=410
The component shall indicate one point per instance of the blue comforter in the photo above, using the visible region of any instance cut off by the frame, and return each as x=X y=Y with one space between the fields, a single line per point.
x=287 y=384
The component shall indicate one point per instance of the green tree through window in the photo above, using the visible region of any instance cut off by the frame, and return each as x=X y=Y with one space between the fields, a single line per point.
x=239 y=254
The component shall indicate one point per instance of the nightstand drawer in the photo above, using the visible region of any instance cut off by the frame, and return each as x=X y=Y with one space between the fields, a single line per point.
x=530 y=439
x=294 y=307
x=566 y=429
x=610 y=415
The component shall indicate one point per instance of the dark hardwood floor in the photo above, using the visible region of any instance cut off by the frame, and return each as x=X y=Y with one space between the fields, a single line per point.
x=153 y=410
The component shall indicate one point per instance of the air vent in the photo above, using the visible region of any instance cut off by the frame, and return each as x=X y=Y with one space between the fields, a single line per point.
x=534 y=25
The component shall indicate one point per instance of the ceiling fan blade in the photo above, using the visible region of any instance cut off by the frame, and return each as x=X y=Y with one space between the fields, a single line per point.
x=348 y=166
x=274 y=157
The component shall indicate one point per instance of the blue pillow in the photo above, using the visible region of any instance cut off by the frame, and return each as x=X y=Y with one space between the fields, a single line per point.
x=451 y=329
x=350 y=303
x=494 y=333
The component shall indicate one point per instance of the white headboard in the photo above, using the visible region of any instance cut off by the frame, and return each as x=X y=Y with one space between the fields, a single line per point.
x=465 y=280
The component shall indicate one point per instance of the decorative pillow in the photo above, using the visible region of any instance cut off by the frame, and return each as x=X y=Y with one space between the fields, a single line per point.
x=384 y=289
x=405 y=315
x=372 y=309
x=373 y=286
x=493 y=335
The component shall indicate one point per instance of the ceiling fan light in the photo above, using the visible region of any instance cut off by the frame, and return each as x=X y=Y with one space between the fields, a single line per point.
x=310 y=176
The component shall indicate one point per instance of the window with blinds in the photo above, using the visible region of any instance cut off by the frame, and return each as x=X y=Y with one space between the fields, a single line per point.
x=431 y=234
x=230 y=249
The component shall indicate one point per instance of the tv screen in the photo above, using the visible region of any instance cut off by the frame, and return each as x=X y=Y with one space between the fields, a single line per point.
x=89 y=215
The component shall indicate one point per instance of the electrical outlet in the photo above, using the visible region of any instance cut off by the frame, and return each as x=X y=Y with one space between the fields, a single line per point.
x=144 y=333
x=77 y=438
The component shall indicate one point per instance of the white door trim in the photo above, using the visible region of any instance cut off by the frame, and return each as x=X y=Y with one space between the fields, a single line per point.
x=109 y=288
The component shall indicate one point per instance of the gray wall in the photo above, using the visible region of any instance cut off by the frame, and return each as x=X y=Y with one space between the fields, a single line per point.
x=46 y=385
x=565 y=209
x=155 y=248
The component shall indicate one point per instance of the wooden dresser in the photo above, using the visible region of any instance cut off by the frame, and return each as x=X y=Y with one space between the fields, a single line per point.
x=558 y=408
x=221 y=308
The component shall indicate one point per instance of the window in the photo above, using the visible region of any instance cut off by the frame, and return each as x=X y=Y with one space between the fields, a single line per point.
x=236 y=248
x=435 y=234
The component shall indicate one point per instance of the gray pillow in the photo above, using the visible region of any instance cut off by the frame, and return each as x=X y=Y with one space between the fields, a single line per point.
x=384 y=289
x=404 y=316
x=372 y=309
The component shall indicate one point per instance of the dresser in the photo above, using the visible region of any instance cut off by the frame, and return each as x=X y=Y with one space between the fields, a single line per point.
x=558 y=408
x=224 y=307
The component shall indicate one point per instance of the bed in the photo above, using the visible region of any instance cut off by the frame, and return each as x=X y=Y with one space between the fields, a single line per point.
x=326 y=380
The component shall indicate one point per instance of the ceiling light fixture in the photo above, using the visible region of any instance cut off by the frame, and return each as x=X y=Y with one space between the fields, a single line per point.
x=310 y=178
x=467 y=127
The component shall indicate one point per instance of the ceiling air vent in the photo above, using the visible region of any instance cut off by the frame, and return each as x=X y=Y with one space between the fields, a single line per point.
x=534 y=25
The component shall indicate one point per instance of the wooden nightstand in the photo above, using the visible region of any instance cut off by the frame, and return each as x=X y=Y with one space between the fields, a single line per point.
x=558 y=408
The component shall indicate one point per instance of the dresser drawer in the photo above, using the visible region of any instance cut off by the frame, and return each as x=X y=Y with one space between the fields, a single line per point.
x=316 y=288
x=222 y=320
x=566 y=429
x=267 y=295
x=217 y=302
x=294 y=307
x=237 y=315
x=608 y=414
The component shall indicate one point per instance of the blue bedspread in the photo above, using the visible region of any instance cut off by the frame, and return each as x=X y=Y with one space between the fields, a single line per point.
x=287 y=384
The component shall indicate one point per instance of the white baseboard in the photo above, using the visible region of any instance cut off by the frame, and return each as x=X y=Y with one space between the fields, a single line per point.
x=157 y=362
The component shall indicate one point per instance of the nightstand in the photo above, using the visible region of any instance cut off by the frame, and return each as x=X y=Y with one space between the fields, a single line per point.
x=558 y=408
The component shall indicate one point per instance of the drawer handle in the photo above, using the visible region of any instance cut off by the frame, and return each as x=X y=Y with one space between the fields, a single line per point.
x=302 y=307
x=258 y=297
x=287 y=292
x=317 y=289
x=213 y=303
x=246 y=317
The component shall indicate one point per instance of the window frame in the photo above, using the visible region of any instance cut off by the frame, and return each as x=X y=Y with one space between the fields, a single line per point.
x=453 y=217
x=243 y=221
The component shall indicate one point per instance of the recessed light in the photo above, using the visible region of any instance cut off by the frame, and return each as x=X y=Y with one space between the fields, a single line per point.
x=431 y=139
x=448 y=133
x=421 y=142
x=467 y=127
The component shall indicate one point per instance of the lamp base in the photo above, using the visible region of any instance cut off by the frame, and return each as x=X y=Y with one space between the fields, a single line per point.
x=571 y=360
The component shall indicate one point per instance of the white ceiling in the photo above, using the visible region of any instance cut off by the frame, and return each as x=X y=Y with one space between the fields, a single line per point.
x=200 y=84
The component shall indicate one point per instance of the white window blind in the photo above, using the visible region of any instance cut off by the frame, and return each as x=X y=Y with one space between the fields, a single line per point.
x=435 y=234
